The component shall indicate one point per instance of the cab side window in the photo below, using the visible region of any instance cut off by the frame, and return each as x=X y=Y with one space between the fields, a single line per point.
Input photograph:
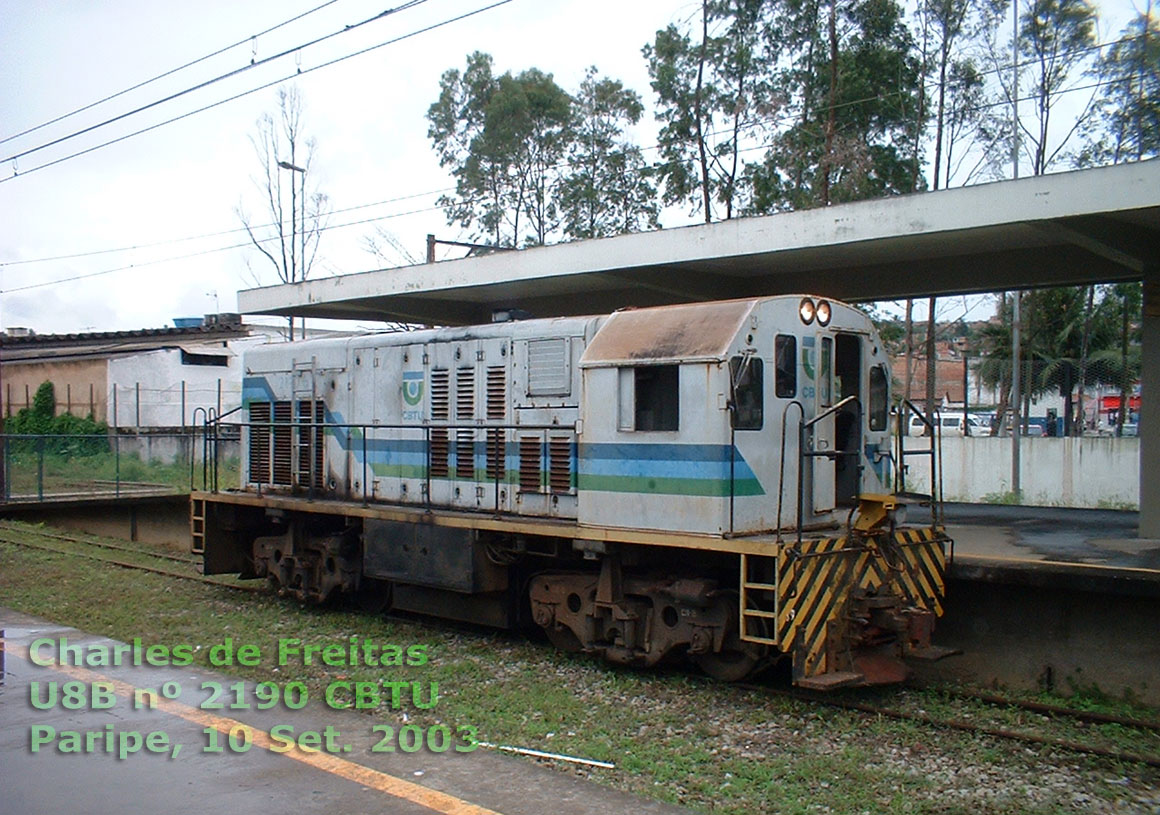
x=747 y=378
x=785 y=362
x=879 y=412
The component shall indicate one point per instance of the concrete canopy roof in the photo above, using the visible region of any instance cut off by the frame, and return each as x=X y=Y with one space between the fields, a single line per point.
x=1098 y=225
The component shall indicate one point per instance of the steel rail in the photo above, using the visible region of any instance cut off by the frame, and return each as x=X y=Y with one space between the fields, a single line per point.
x=136 y=566
x=8 y=527
x=966 y=726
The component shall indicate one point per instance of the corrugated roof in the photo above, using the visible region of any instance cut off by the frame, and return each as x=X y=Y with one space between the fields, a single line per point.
x=683 y=333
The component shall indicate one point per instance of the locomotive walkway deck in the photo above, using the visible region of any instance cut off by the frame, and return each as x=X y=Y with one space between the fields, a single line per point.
x=255 y=780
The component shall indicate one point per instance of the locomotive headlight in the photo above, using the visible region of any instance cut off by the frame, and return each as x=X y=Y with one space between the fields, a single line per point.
x=823 y=312
x=806 y=310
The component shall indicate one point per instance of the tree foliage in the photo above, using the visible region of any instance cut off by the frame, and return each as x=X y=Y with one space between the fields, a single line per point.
x=40 y=419
x=1066 y=347
x=713 y=86
x=853 y=82
x=1128 y=105
x=531 y=163
x=608 y=189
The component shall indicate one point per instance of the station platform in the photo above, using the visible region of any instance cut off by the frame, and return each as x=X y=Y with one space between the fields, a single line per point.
x=112 y=766
x=1087 y=549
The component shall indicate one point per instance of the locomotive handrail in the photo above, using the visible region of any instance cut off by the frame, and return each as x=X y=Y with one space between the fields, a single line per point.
x=365 y=429
x=832 y=454
x=934 y=451
x=781 y=464
x=831 y=410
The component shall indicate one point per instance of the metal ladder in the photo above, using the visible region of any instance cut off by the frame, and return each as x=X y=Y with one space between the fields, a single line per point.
x=197 y=526
x=758 y=600
x=303 y=443
x=934 y=451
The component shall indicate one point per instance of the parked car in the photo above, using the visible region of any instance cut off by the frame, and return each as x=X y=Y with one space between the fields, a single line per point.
x=952 y=423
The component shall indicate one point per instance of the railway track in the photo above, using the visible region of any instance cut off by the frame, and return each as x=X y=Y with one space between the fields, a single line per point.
x=88 y=541
x=982 y=728
x=8 y=533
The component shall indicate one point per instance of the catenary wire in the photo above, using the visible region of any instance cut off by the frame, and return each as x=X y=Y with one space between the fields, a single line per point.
x=237 y=71
x=271 y=84
x=170 y=72
x=218 y=234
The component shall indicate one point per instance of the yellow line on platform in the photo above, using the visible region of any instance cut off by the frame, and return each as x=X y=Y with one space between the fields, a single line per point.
x=358 y=773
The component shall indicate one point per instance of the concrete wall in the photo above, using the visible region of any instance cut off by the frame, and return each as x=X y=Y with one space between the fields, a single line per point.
x=1048 y=637
x=1070 y=472
x=167 y=448
x=146 y=389
x=80 y=386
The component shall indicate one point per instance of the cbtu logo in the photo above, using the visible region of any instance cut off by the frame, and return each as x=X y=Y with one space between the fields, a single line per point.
x=413 y=387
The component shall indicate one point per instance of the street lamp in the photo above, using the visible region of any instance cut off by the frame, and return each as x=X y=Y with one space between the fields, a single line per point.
x=286 y=165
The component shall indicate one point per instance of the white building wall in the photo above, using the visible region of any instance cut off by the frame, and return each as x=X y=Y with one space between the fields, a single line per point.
x=146 y=389
x=1092 y=471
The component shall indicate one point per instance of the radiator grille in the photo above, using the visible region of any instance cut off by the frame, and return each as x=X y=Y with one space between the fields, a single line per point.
x=465 y=454
x=259 y=443
x=440 y=447
x=560 y=463
x=496 y=393
x=440 y=396
x=282 y=430
x=495 y=455
x=548 y=367
x=465 y=393
x=530 y=455
x=311 y=446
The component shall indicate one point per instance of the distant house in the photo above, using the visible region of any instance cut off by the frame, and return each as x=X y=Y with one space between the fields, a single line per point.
x=952 y=369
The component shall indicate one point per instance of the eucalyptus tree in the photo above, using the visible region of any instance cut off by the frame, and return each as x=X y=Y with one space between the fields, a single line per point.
x=713 y=91
x=504 y=140
x=1128 y=105
x=607 y=189
x=853 y=99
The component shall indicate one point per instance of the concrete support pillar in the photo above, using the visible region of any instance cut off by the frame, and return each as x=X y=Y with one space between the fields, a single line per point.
x=1150 y=406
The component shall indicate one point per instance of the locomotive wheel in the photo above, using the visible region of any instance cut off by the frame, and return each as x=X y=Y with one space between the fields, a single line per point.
x=736 y=659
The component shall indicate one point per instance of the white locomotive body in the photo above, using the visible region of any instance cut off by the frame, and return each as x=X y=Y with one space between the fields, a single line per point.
x=653 y=481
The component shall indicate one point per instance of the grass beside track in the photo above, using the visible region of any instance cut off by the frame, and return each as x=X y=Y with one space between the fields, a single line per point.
x=671 y=735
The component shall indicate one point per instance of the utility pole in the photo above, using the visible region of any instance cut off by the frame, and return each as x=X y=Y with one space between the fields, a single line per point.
x=1016 y=321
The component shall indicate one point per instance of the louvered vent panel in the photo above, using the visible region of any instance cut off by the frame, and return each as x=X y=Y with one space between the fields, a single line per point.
x=497 y=393
x=283 y=416
x=465 y=393
x=465 y=454
x=530 y=463
x=495 y=455
x=440 y=447
x=259 y=443
x=440 y=396
x=548 y=368
x=560 y=463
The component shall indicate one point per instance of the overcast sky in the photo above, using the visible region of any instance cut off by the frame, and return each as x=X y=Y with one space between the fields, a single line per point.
x=158 y=190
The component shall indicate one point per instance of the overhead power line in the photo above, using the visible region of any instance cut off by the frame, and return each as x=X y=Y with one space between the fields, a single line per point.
x=237 y=71
x=286 y=78
x=215 y=250
x=218 y=234
x=170 y=72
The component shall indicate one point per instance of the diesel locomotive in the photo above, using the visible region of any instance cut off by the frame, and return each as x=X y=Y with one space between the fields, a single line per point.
x=715 y=481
